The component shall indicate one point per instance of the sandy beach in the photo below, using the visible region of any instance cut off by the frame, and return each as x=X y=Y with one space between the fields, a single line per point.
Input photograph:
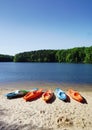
x=16 y=114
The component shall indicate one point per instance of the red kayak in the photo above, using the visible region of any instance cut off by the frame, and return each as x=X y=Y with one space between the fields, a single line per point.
x=46 y=96
x=33 y=95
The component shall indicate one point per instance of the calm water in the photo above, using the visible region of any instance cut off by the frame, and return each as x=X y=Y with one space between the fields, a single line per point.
x=46 y=72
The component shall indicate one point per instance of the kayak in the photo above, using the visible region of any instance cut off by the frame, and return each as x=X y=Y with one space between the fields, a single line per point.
x=33 y=95
x=18 y=93
x=60 y=94
x=75 y=95
x=46 y=96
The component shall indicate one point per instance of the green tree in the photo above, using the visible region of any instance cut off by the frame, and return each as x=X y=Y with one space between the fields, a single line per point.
x=88 y=57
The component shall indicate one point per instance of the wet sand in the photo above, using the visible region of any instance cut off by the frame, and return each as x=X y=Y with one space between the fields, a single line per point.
x=47 y=85
x=16 y=114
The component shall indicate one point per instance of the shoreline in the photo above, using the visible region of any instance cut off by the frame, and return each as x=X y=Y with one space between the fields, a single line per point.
x=46 y=85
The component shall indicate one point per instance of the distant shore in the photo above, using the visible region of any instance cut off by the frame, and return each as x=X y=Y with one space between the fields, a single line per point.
x=73 y=55
x=17 y=114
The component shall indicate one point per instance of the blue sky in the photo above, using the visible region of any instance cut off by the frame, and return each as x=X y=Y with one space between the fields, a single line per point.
x=27 y=25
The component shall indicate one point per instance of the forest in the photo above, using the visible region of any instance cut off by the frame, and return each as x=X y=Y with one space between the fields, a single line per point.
x=74 y=55
x=6 y=58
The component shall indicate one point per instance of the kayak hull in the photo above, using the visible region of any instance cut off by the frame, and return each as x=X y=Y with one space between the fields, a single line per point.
x=33 y=95
x=18 y=93
x=75 y=95
x=46 y=96
x=60 y=94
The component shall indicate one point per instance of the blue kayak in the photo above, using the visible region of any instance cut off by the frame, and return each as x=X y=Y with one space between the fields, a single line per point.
x=60 y=94
x=18 y=93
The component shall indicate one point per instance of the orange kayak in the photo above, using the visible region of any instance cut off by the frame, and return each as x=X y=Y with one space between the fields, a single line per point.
x=47 y=95
x=33 y=95
x=75 y=95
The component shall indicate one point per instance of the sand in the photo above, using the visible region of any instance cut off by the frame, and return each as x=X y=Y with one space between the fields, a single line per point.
x=16 y=114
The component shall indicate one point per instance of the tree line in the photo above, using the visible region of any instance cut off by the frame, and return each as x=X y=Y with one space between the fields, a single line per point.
x=74 y=55
x=6 y=58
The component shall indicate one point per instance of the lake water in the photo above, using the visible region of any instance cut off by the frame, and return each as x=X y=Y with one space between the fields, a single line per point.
x=46 y=72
